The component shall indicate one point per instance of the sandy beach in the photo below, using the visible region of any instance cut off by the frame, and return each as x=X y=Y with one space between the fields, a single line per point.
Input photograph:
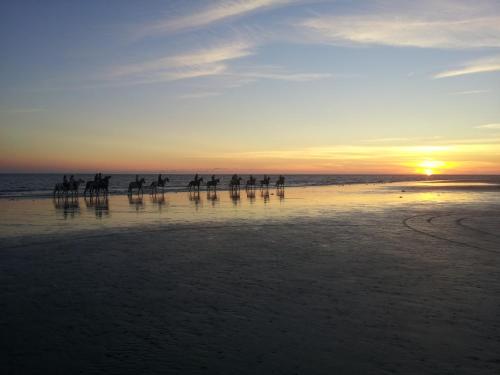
x=378 y=279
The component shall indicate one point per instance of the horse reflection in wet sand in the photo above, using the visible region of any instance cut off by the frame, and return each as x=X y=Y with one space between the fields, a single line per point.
x=136 y=201
x=67 y=205
x=100 y=204
x=194 y=196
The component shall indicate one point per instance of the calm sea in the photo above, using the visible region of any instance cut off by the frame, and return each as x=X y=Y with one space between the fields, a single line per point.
x=39 y=185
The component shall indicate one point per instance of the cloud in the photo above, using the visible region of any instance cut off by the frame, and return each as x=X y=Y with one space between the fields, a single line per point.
x=200 y=94
x=284 y=76
x=211 y=14
x=206 y=61
x=484 y=65
x=425 y=24
x=197 y=63
x=470 y=92
x=489 y=126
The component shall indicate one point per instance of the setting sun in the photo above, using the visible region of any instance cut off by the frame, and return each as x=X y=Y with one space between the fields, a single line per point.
x=430 y=167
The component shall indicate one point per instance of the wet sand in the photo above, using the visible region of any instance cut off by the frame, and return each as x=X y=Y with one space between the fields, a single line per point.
x=397 y=278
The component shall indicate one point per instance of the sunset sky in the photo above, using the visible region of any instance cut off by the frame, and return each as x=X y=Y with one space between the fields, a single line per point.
x=283 y=86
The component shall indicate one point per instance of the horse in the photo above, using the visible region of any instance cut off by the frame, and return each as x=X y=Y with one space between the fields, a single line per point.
x=103 y=185
x=96 y=187
x=136 y=185
x=156 y=184
x=234 y=184
x=250 y=183
x=195 y=184
x=69 y=187
x=60 y=188
x=212 y=184
x=90 y=186
x=280 y=184
x=265 y=182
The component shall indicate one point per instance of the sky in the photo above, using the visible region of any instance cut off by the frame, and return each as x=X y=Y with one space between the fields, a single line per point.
x=283 y=86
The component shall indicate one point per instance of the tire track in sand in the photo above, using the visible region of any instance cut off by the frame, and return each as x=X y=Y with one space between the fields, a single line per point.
x=407 y=222
x=460 y=223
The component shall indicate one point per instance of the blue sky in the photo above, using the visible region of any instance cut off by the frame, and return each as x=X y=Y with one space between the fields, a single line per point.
x=322 y=86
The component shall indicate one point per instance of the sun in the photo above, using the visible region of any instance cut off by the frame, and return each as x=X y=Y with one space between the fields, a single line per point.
x=430 y=167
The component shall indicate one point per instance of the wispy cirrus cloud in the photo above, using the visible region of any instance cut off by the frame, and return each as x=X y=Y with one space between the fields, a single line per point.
x=470 y=92
x=424 y=24
x=489 y=126
x=212 y=13
x=483 y=65
x=206 y=61
x=212 y=61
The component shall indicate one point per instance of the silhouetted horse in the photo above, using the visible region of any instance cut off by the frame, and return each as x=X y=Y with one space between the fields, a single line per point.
x=160 y=183
x=265 y=182
x=250 y=183
x=195 y=184
x=234 y=184
x=96 y=187
x=137 y=185
x=212 y=184
x=69 y=187
x=280 y=184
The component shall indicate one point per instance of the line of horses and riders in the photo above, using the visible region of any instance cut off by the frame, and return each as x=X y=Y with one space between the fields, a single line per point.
x=100 y=185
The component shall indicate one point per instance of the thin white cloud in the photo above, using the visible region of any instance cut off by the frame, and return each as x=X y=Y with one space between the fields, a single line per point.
x=292 y=77
x=489 y=126
x=484 y=65
x=202 y=60
x=211 y=14
x=425 y=24
x=200 y=95
x=470 y=92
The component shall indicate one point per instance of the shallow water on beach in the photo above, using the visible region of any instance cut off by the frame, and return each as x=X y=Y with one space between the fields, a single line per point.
x=45 y=216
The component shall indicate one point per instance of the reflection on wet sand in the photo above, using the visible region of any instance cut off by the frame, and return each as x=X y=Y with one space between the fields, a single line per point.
x=251 y=195
x=280 y=192
x=212 y=197
x=158 y=200
x=234 y=194
x=21 y=217
x=99 y=204
x=194 y=196
x=264 y=193
x=67 y=205
x=136 y=201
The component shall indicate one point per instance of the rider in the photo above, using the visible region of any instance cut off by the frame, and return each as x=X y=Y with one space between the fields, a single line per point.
x=71 y=180
x=196 y=177
x=65 y=181
x=213 y=178
x=160 y=180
